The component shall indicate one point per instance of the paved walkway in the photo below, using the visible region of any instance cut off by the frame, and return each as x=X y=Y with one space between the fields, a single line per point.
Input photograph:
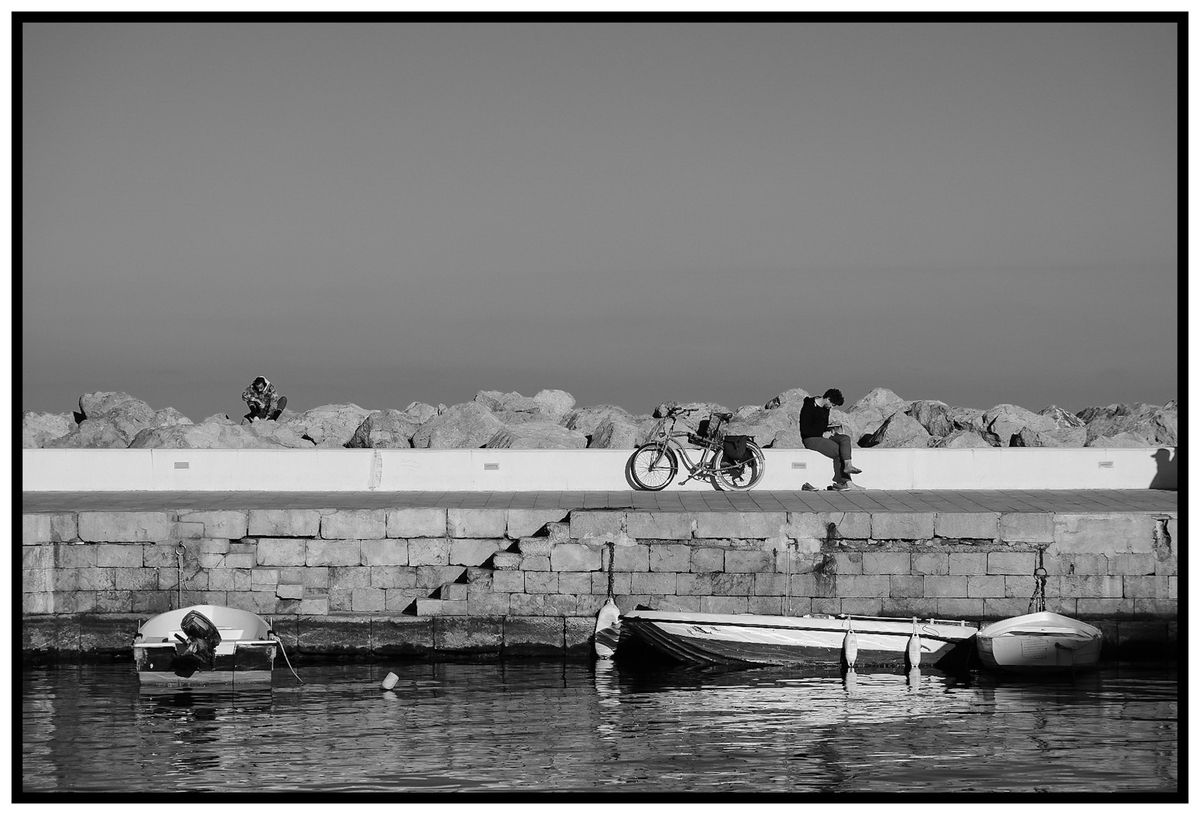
x=1065 y=501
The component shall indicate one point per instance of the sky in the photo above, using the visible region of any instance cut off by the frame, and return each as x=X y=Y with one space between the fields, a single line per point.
x=388 y=213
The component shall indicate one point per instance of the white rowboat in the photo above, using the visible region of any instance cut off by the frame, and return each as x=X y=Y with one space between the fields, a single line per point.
x=204 y=645
x=1039 y=642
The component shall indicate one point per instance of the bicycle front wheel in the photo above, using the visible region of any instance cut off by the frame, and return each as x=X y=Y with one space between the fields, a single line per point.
x=652 y=467
x=742 y=476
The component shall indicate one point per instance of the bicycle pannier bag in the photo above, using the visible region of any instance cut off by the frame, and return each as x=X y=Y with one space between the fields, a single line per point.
x=735 y=450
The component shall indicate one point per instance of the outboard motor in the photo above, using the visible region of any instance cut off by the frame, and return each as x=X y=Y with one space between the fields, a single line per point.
x=200 y=647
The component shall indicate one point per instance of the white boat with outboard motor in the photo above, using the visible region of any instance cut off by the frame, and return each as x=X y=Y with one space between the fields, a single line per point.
x=753 y=639
x=205 y=645
x=1039 y=642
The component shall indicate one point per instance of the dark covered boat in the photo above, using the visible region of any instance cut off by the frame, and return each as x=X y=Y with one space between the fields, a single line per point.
x=779 y=640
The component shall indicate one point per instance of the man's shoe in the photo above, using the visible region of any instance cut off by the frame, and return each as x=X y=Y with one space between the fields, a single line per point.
x=839 y=486
x=850 y=469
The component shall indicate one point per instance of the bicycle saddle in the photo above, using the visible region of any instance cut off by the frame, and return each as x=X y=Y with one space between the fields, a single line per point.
x=724 y=417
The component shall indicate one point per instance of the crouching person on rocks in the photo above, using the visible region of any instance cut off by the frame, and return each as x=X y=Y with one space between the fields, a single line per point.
x=263 y=400
x=817 y=435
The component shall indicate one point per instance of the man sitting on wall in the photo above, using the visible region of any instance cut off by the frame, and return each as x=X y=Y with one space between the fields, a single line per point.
x=817 y=435
x=262 y=399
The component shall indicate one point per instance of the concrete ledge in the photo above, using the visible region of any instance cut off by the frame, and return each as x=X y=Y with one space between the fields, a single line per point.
x=1033 y=468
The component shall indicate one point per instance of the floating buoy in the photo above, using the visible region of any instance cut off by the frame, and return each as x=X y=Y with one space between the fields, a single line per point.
x=849 y=648
x=389 y=681
x=913 y=653
x=608 y=629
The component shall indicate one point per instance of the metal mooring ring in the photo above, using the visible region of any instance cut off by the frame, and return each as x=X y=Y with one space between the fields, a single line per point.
x=1040 y=571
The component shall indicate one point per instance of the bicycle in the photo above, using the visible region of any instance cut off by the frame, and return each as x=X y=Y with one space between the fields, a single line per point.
x=655 y=464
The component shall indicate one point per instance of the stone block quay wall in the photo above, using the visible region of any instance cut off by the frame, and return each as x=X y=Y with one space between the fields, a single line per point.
x=452 y=583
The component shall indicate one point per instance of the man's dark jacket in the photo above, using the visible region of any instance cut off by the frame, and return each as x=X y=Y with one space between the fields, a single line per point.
x=814 y=419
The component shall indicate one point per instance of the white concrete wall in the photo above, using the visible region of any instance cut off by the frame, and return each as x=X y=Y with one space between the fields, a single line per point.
x=336 y=470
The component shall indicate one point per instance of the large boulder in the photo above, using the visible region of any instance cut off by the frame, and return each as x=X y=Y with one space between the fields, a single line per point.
x=385 y=428
x=1003 y=422
x=1119 y=440
x=554 y=404
x=963 y=437
x=327 y=425
x=276 y=434
x=868 y=414
x=1059 y=437
x=1157 y=425
x=1093 y=413
x=203 y=436
x=168 y=417
x=746 y=410
x=420 y=412
x=694 y=413
x=220 y=433
x=466 y=425
x=765 y=424
x=497 y=401
x=786 y=439
x=587 y=419
x=128 y=414
x=614 y=434
x=858 y=427
x=1062 y=418
x=966 y=418
x=899 y=430
x=645 y=426
x=793 y=395
x=39 y=428
x=693 y=410
x=933 y=415
x=537 y=436
x=882 y=400
x=515 y=417
x=92 y=433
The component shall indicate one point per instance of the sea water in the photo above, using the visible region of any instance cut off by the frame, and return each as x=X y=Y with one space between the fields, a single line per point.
x=602 y=728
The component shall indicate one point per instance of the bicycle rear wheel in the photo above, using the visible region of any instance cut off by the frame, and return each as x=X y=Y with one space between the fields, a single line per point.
x=652 y=467
x=744 y=476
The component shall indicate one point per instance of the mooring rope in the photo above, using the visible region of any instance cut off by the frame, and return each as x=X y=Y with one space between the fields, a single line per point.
x=787 y=576
x=179 y=550
x=1037 y=601
x=612 y=551
x=283 y=651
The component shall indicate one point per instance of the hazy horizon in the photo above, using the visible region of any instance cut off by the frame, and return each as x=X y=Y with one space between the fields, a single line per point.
x=387 y=213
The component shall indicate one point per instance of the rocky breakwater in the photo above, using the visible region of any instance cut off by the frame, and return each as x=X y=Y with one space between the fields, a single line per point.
x=551 y=419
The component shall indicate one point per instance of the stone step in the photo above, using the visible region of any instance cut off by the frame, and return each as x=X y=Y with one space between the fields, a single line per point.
x=535 y=546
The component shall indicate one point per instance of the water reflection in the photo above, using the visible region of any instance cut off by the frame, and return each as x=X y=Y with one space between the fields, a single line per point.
x=556 y=726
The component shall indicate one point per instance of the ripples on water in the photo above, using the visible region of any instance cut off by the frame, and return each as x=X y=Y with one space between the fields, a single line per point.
x=533 y=726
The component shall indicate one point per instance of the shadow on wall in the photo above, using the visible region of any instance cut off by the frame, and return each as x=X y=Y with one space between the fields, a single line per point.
x=1166 y=473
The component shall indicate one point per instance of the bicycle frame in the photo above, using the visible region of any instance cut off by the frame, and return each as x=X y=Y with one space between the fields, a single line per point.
x=703 y=467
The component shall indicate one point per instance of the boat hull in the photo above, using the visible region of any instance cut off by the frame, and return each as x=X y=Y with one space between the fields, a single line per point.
x=245 y=654
x=1043 y=642
x=776 y=640
x=241 y=663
